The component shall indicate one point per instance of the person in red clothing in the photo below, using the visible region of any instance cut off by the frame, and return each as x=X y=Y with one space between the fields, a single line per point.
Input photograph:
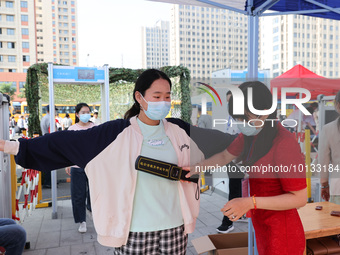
x=277 y=180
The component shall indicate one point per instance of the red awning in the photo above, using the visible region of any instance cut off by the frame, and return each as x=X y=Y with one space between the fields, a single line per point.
x=301 y=77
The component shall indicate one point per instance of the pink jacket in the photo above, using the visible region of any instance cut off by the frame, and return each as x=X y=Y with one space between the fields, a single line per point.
x=108 y=153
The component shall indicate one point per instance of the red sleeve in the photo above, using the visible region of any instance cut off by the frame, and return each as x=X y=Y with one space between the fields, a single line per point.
x=288 y=155
x=236 y=147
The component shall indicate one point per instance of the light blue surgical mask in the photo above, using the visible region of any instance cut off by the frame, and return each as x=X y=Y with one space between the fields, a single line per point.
x=157 y=110
x=249 y=130
x=84 y=117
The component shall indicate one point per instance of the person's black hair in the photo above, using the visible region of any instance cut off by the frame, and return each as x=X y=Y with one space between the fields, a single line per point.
x=310 y=109
x=67 y=115
x=143 y=83
x=262 y=100
x=229 y=92
x=337 y=106
x=314 y=105
x=78 y=108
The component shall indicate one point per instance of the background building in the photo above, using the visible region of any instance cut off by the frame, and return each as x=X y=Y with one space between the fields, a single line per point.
x=296 y=39
x=18 y=38
x=207 y=39
x=36 y=31
x=156 y=45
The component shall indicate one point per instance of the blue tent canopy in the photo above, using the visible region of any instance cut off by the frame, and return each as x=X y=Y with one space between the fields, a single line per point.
x=328 y=9
x=254 y=9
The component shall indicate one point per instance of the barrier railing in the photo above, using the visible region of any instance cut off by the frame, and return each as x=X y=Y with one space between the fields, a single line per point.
x=29 y=188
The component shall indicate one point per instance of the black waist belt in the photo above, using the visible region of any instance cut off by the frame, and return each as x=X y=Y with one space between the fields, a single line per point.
x=162 y=169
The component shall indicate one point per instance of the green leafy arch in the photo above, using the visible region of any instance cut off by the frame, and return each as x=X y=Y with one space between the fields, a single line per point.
x=121 y=87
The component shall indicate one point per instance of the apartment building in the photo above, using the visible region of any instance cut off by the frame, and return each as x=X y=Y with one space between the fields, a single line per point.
x=57 y=36
x=207 y=39
x=298 y=39
x=156 y=45
x=18 y=36
x=36 y=31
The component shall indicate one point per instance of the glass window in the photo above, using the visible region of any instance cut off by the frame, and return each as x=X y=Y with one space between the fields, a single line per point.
x=11 y=58
x=10 y=45
x=10 y=31
x=25 y=45
x=26 y=58
x=9 y=4
x=9 y=17
x=24 y=31
x=23 y=4
x=24 y=18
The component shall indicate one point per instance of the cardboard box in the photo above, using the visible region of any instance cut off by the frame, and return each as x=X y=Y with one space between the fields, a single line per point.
x=222 y=244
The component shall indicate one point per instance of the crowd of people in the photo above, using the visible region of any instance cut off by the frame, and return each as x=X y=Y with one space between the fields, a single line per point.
x=136 y=211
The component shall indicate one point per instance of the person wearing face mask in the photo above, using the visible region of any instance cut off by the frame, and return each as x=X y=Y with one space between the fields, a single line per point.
x=80 y=193
x=267 y=151
x=134 y=211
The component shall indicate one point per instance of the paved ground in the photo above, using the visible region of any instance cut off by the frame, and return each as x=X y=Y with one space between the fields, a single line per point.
x=49 y=236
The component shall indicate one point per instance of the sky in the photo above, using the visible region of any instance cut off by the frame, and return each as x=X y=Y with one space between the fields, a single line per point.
x=110 y=30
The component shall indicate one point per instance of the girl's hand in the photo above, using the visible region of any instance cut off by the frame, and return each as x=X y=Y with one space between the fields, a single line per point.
x=237 y=207
x=68 y=170
x=2 y=145
x=192 y=170
x=325 y=193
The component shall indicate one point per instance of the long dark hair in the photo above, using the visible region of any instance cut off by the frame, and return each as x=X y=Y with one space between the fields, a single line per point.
x=78 y=108
x=143 y=83
x=337 y=106
x=262 y=99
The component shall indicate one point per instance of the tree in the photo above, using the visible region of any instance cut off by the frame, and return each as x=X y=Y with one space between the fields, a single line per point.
x=6 y=88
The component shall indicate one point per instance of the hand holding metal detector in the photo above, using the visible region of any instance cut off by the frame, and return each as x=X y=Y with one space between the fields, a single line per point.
x=162 y=169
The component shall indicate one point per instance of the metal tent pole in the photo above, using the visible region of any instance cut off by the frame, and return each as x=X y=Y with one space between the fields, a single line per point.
x=5 y=168
x=52 y=129
x=105 y=101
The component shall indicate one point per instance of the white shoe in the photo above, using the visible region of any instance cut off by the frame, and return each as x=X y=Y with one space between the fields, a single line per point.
x=82 y=228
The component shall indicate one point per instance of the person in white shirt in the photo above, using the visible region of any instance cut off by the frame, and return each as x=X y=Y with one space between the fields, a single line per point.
x=58 y=121
x=21 y=124
x=66 y=122
x=95 y=120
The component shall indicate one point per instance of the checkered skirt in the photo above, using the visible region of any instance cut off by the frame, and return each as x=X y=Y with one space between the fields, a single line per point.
x=169 y=241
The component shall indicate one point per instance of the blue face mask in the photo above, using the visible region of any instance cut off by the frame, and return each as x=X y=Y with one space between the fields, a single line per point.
x=157 y=110
x=248 y=130
x=85 y=117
